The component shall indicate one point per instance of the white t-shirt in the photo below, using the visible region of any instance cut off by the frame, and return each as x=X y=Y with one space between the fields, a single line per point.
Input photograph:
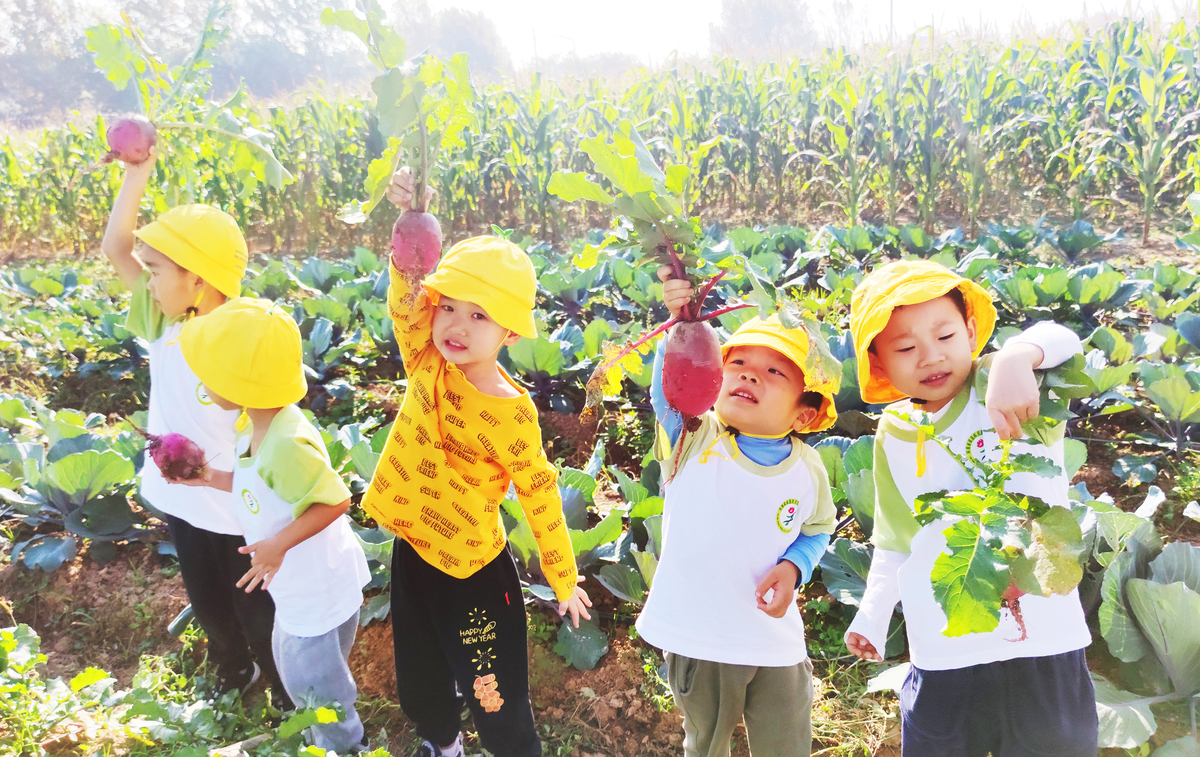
x=178 y=404
x=905 y=552
x=726 y=521
x=319 y=585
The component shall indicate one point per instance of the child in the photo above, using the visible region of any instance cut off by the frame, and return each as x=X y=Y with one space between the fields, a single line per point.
x=917 y=328
x=740 y=492
x=192 y=258
x=464 y=432
x=290 y=503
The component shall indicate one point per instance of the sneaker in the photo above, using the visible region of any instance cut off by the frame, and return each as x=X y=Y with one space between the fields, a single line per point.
x=429 y=749
x=239 y=681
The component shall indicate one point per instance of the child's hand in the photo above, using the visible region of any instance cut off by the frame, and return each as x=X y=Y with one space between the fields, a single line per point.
x=1012 y=393
x=267 y=558
x=216 y=479
x=860 y=647
x=577 y=605
x=145 y=167
x=676 y=292
x=402 y=187
x=782 y=579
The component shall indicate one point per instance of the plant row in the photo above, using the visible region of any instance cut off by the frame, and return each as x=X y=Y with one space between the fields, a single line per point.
x=1084 y=128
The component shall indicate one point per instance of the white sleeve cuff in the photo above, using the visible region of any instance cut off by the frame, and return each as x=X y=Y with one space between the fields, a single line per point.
x=1058 y=343
x=880 y=599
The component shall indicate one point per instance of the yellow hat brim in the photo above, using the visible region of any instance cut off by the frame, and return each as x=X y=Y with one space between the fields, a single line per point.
x=757 y=333
x=494 y=274
x=908 y=283
x=500 y=306
x=223 y=266
x=247 y=354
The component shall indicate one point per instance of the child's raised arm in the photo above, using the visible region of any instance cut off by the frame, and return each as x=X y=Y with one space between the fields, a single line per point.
x=1012 y=393
x=118 y=236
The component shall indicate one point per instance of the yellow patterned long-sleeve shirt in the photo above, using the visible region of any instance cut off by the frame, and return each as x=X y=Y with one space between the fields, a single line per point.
x=451 y=455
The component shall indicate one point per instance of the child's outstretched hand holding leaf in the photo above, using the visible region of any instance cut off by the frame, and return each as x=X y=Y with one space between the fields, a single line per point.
x=1012 y=394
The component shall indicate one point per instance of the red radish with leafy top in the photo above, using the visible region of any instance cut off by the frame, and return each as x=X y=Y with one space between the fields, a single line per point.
x=417 y=235
x=658 y=230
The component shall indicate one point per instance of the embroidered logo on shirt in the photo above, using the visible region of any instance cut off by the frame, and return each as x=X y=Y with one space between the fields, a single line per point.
x=786 y=514
x=249 y=501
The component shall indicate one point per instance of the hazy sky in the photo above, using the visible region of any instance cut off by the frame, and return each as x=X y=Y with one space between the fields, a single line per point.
x=651 y=29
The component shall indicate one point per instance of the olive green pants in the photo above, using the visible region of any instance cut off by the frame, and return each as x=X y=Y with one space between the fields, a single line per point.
x=714 y=697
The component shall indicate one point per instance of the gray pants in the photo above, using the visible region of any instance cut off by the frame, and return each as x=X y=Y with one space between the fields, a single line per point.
x=714 y=697
x=315 y=669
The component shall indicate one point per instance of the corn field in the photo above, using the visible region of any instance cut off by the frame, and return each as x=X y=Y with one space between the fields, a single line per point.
x=1098 y=127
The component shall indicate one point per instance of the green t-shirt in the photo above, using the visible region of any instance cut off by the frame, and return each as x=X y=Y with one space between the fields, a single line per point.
x=146 y=319
x=292 y=460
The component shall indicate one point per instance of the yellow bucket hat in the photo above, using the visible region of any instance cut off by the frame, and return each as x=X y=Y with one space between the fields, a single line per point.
x=492 y=273
x=203 y=240
x=792 y=344
x=247 y=351
x=907 y=282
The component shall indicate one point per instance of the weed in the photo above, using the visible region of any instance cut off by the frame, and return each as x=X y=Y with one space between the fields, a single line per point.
x=540 y=629
x=823 y=629
x=655 y=688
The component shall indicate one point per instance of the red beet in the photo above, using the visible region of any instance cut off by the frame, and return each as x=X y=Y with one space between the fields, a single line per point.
x=1012 y=593
x=416 y=243
x=177 y=456
x=692 y=368
x=1012 y=602
x=130 y=140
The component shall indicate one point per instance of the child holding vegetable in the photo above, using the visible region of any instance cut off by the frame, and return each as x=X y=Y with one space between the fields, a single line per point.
x=464 y=432
x=741 y=490
x=290 y=503
x=918 y=329
x=192 y=258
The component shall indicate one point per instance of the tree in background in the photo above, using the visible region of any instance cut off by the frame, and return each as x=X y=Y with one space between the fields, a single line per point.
x=761 y=29
x=450 y=31
x=277 y=46
x=45 y=68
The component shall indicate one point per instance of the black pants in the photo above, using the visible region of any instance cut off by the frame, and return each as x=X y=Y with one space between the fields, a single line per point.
x=455 y=635
x=238 y=625
x=1027 y=707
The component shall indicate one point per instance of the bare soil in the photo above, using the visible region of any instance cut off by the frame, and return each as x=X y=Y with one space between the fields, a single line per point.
x=108 y=616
